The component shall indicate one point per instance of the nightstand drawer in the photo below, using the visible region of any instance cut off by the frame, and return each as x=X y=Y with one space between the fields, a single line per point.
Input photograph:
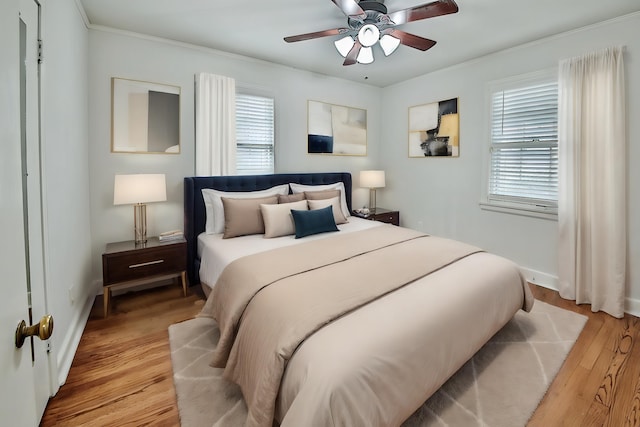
x=382 y=215
x=126 y=263
x=126 y=266
x=388 y=217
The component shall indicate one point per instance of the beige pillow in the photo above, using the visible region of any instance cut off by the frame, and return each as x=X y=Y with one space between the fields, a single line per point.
x=323 y=203
x=301 y=188
x=288 y=198
x=278 y=220
x=215 y=211
x=318 y=195
x=243 y=216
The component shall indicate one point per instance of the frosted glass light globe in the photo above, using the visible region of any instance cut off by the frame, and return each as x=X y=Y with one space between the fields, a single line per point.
x=368 y=35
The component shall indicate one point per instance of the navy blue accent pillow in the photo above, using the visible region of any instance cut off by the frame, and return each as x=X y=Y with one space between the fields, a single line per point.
x=313 y=222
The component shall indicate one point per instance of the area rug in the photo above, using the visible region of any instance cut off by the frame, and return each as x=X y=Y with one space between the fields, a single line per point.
x=501 y=386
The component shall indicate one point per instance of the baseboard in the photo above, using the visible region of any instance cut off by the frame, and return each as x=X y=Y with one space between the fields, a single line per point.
x=72 y=339
x=631 y=305
x=539 y=278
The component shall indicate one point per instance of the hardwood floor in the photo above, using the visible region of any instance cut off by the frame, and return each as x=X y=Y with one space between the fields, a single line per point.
x=599 y=383
x=121 y=374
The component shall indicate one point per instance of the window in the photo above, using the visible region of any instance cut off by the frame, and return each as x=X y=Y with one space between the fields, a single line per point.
x=254 y=134
x=523 y=170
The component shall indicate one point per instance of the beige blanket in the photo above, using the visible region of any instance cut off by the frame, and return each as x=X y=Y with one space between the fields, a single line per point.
x=283 y=296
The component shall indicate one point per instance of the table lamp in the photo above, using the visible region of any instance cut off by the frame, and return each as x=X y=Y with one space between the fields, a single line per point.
x=136 y=190
x=372 y=180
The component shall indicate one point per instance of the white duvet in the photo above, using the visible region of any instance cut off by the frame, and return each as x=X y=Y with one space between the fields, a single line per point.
x=216 y=253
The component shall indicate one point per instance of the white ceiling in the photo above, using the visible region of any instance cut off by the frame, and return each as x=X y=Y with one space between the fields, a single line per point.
x=256 y=28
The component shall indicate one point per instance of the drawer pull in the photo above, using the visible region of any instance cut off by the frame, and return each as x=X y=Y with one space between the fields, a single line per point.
x=144 y=264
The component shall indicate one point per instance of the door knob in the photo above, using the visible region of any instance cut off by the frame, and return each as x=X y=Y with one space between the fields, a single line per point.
x=43 y=330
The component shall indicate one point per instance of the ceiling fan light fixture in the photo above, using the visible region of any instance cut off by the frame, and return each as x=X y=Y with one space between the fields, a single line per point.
x=389 y=44
x=365 y=56
x=369 y=23
x=368 y=35
x=344 y=45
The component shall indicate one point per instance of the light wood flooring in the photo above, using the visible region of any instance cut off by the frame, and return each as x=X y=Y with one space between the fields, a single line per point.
x=121 y=374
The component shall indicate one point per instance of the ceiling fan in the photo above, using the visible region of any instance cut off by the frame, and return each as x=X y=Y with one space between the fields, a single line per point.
x=369 y=23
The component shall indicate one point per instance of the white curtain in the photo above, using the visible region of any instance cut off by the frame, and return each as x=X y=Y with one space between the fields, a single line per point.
x=592 y=181
x=215 y=125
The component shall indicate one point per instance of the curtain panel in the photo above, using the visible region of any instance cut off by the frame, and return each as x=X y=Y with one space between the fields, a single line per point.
x=215 y=125
x=592 y=215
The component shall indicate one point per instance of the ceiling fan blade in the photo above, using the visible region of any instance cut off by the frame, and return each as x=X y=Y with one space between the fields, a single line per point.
x=428 y=10
x=317 y=34
x=350 y=8
x=352 y=56
x=412 y=40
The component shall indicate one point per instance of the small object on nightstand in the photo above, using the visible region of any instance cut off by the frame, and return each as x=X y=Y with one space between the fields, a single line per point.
x=362 y=212
x=126 y=264
x=171 y=235
x=380 y=214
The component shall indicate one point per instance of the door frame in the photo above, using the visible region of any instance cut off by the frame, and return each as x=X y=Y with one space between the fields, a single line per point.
x=33 y=201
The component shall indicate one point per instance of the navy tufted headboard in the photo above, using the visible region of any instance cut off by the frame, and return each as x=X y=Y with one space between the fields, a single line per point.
x=194 y=211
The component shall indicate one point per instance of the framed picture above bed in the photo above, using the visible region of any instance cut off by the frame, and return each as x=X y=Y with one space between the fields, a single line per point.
x=145 y=117
x=336 y=129
x=434 y=129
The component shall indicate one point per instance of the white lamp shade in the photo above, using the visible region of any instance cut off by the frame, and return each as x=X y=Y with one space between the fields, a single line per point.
x=139 y=188
x=389 y=44
x=365 y=56
x=344 y=45
x=372 y=179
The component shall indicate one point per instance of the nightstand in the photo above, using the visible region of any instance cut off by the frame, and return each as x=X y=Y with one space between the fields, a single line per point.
x=382 y=215
x=125 y=264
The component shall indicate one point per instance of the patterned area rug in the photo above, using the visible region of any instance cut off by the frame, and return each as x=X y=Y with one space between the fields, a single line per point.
x=500 y=386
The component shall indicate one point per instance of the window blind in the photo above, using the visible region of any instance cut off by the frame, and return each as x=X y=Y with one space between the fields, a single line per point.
x=524 y=145
x=254 y=134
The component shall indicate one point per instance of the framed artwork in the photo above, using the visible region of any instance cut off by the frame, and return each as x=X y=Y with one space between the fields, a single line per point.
x=145 y=117
x=434 y=129
x=336 y=129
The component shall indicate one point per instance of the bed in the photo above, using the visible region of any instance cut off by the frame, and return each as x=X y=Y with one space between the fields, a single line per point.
x=356 y=327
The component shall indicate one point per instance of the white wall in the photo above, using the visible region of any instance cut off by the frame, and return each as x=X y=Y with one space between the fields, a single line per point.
x=116 y=54
x=441 y=195
x=65 y=151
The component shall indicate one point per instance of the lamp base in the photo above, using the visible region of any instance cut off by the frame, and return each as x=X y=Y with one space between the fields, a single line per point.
x=140 y=223
x=372 y=200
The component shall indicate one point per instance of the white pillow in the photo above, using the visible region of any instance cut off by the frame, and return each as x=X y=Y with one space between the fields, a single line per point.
x=278 y=220
x=323 y=203
x=301 y=188
x=215 y=210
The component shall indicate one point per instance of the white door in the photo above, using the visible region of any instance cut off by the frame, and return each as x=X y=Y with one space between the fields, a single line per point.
x=25 y=385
